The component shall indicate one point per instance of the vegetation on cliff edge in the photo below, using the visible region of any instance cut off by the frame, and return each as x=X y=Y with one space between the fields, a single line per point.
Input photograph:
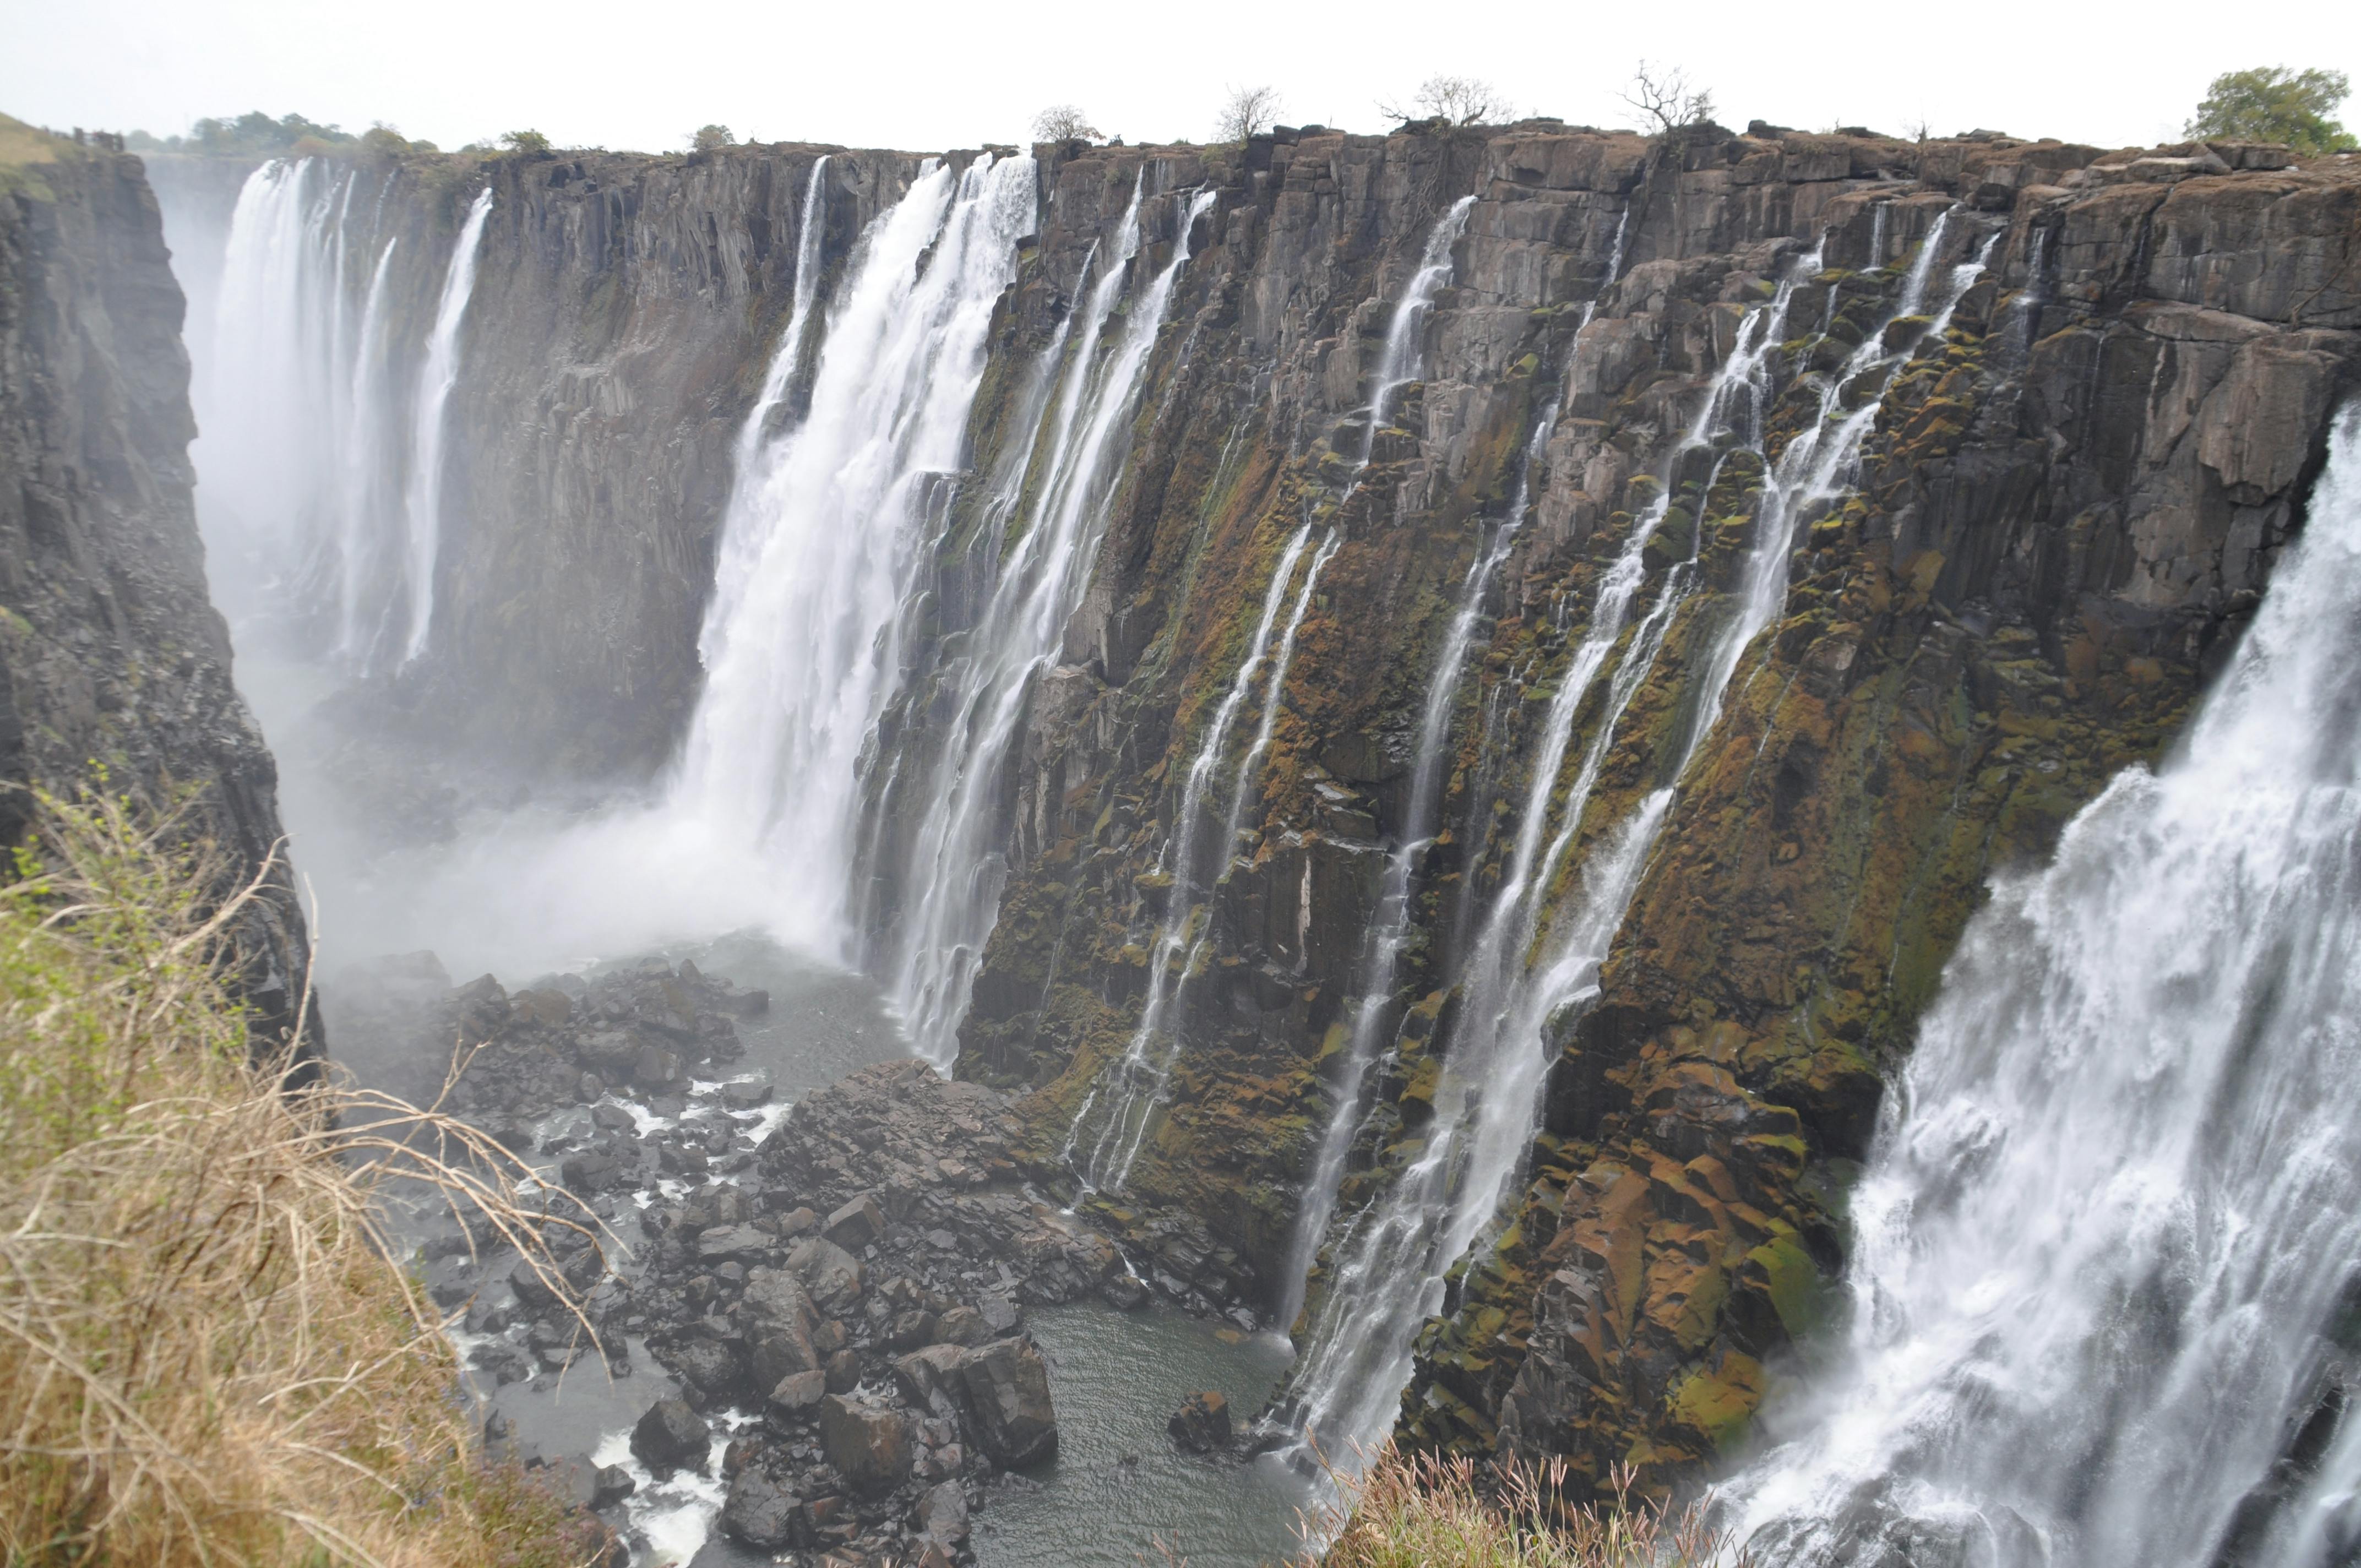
x=1419 y=1510
x=208 y=1352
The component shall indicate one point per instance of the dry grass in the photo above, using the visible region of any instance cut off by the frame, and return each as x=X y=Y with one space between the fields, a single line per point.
x=208 y=1354
x=1421 y=1511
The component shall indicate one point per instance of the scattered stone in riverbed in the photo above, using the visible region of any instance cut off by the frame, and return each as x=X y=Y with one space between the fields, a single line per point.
x=1202 y=1424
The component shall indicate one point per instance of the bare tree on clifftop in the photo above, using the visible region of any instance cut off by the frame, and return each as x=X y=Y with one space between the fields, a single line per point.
x=1455 y=100
x=1667 y=100
x=1245 y=112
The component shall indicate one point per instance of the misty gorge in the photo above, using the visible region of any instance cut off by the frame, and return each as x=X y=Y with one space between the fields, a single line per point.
x=1678 y=812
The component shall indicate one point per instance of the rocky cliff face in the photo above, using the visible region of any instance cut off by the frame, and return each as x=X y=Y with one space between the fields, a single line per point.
x=115 y=669
x=2088 y=390
x=2068 y=500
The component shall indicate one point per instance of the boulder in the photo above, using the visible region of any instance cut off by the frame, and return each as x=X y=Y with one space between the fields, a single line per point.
x=760 y=1511
x=869 y=1446
x=857 y=1224
x=614 y=1484
x=720 y=1243
x=941 y=1515
x=1202 y=1424
x=745 y=1093
x=609 y=1054
x=1006 y=1388
x=655 y=1069
x=926 y=1377
x=775 y=1300
x=962 y=1325
x=670 y=1437
x=843 y=1372
x=782 y=1353
x=713 y=1368
x=796 y=1396
x=832 y=1275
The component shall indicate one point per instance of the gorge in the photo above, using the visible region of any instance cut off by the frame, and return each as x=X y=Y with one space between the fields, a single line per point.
x=1676 y=801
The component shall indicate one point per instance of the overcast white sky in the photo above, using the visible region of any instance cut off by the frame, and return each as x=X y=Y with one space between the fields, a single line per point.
x=920 y=75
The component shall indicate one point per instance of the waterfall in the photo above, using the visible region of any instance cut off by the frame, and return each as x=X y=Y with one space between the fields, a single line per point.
x=1389 y=926
x=956 y=868
x=278 y=400
x=436 y=376
x=2102 y=1276
x=802 y=641
x=1529 y=961
x=1398 y=364
x=811 y=229
x=1133 y=1087
x=363 y=462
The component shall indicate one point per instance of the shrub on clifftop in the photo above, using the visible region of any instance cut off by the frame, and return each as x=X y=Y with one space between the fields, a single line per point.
x=2274 y=104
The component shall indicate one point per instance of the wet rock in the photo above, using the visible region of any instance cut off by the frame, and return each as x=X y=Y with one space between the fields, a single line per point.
x=1202 y=1424
x=941 y=1515
x=833 y=1276
x=671 y=1436
x=796 y=1396
x=745 y=1095
x=869 y=1446
x=722 y=1243
x=1006 y=1388
x=1125 y=1293
x=929 y=1378
x=962 y=1325
x=614 y=1484
x=857 y=1224
x=761 y=1511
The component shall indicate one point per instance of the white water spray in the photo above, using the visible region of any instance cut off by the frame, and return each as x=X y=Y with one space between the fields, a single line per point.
x=957 y=868
x=2108 y=1232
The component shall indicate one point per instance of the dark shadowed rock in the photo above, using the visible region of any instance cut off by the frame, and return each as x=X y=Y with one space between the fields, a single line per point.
x=796 y=1396
x=857 y=1224
x=613 y=1484
x=868 y=1445
x=1007 y=1385
x=671 y=1436
x=1202 y=1424
x=832 y=1276
x=761 y=1511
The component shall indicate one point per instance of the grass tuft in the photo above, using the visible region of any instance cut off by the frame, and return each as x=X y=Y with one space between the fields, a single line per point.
x=1419 y=1510
x=209 y=1353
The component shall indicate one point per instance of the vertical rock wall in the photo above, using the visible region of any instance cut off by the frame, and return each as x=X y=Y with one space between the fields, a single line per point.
x=114 y=668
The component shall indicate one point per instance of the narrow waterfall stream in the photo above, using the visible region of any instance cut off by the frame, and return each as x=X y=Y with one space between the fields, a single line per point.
x=2101 y=1279
x=1531 y=958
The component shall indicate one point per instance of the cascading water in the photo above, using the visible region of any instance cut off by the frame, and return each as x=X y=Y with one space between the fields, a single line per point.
x=802 y=640
x=1398 y=364
x=297 y=447
x=1127 y=1093
x=787 y=363
x=2104 y=1267
x=957 y=868
x=436 y=376
x=363 y=462
x=1389 y=928
x=1394 y=1261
